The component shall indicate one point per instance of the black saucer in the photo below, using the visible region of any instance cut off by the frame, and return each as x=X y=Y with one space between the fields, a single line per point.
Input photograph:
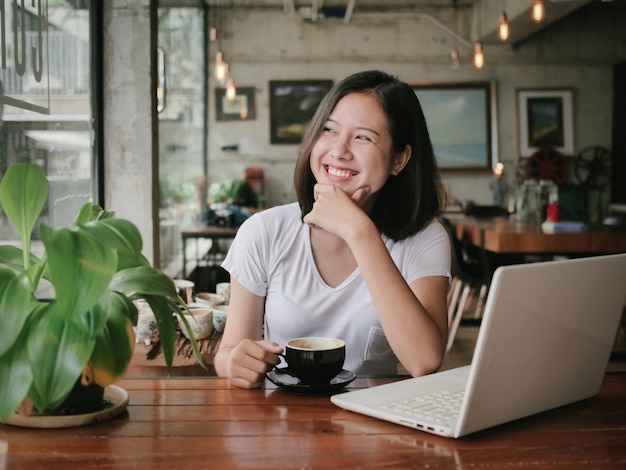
x=292 y=384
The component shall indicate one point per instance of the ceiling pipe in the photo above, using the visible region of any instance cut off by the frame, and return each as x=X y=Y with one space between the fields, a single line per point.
x=349 y=10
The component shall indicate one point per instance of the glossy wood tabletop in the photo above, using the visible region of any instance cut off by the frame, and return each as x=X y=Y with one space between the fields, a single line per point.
x=202 y=423
x=502 y=235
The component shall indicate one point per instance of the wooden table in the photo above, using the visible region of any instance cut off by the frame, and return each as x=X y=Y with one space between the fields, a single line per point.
x=502 y=235
x=202 y=423
x=212 y=232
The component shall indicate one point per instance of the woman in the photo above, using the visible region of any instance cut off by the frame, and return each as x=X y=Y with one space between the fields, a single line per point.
x=360 y=257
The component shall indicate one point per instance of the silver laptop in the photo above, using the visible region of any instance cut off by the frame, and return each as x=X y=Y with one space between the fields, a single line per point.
x=545 y=341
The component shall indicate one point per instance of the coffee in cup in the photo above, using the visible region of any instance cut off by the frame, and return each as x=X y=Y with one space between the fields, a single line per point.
x=315 y=360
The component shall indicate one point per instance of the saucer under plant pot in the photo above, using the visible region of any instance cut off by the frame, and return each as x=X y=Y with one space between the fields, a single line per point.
x=84 y=332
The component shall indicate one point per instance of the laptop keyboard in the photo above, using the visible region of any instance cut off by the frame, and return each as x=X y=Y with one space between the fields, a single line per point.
x=438 y=407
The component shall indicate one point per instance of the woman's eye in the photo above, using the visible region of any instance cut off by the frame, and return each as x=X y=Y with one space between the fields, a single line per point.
x=328 y=129
x=362 y=137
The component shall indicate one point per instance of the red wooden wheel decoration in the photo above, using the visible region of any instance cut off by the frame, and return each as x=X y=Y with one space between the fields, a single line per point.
x=548 y=164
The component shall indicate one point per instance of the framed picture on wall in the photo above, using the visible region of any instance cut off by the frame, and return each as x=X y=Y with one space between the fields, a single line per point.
x=545 y=120
x=460 y=124
x=292 y=105
x=240 y=108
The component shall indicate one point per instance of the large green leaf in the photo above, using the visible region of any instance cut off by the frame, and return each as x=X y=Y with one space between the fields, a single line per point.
x=93 y=320
x=160 y=292
x=114 y=343
x=164 y=314
x=15 y=307
x=120 y=235
x=13 y=257
x=58 y=351
x=111 y=303
x=144 y=280
x=23 y=194
x=15 y=378
x=80 y=269
x=87 y=213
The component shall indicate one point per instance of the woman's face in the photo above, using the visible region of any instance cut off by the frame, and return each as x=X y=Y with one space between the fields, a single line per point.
x=354 y=149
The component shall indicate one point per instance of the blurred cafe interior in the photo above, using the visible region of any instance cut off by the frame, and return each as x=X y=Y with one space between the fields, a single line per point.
x=186 y=114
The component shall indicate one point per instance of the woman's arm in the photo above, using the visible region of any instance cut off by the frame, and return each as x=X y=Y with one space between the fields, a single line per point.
x=413 y=317
x=243 y=356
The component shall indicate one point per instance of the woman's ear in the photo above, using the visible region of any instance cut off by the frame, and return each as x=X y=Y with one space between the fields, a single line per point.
x=401 y=159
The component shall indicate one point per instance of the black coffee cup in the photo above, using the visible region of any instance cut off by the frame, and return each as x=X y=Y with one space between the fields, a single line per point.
x=315 y=360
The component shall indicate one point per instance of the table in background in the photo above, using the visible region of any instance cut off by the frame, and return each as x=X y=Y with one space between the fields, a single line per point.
x=502 y=235
x=212 y=232
x=203 y=423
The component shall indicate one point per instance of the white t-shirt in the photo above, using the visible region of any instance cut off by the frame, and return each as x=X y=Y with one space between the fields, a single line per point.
x=271 y=257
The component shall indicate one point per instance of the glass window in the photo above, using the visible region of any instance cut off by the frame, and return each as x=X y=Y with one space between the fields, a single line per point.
x=45 y=100
x=182 y=125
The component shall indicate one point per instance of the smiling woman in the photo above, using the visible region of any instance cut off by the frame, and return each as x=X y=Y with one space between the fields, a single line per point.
x=360 y=257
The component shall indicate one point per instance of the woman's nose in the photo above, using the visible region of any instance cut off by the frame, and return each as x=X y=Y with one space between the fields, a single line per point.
x=341 y=150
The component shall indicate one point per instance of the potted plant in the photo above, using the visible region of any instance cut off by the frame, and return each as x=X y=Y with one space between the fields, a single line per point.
x=84 y=332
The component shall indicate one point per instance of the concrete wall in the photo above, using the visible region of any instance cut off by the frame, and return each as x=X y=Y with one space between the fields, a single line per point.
x=129 y=131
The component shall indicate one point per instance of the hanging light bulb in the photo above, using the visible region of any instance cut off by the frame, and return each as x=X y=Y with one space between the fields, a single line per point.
x=538 y=12
x=456 y=59
x=221 y=67
x=230 y=89
x=503 y=29
x=479 y=58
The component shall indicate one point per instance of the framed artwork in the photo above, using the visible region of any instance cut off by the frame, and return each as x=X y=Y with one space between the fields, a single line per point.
x=545 y=120
x=240 y=108
x=292 y=105
x=460 y=123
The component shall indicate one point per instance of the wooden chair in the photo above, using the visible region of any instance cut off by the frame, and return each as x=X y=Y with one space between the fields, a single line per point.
x=470 y=274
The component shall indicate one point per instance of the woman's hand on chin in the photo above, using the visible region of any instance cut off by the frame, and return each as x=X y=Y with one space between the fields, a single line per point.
x=334 y=210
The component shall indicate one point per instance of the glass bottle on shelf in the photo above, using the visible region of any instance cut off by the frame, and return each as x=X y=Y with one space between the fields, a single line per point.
x=548 y=194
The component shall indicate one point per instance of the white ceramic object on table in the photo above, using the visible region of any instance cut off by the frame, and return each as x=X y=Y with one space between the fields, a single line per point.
x=200 y=321
x=209 y=299
x=220 y=314
x=146 y=329
x=223 y=289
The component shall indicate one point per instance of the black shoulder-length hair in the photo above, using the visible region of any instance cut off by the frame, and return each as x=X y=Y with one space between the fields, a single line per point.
x=408 y=201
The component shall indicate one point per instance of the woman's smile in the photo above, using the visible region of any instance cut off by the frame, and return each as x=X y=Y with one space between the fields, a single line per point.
x=337 y=172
